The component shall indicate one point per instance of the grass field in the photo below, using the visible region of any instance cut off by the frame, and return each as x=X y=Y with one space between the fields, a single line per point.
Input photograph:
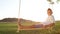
x=11 y=28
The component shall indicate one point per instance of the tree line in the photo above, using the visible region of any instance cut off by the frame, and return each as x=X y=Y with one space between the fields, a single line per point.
x=9 y=20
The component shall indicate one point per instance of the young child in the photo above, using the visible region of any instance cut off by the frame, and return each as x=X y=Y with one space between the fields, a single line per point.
x=50 y=21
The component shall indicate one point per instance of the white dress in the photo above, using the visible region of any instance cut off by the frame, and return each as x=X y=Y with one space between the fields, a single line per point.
x=49 y=20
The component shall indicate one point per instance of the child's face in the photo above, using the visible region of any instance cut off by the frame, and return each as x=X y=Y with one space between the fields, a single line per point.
x=49 y=12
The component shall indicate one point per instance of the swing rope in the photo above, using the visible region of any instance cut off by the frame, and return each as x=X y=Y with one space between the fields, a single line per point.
x=18 y=23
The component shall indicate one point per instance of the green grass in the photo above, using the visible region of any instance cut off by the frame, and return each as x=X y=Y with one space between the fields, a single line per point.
x=11 y=28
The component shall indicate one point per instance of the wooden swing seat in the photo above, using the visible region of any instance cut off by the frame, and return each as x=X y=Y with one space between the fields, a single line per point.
x=33 y=27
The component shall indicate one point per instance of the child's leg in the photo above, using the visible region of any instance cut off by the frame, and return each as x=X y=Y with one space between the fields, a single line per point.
x=44 y=27
x=37 y=26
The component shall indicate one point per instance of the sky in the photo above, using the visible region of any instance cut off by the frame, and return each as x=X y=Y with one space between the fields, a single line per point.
x=9 y=8
x=35 y=10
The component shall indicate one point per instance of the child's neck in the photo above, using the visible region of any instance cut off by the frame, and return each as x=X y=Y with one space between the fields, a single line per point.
x=49 y=15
